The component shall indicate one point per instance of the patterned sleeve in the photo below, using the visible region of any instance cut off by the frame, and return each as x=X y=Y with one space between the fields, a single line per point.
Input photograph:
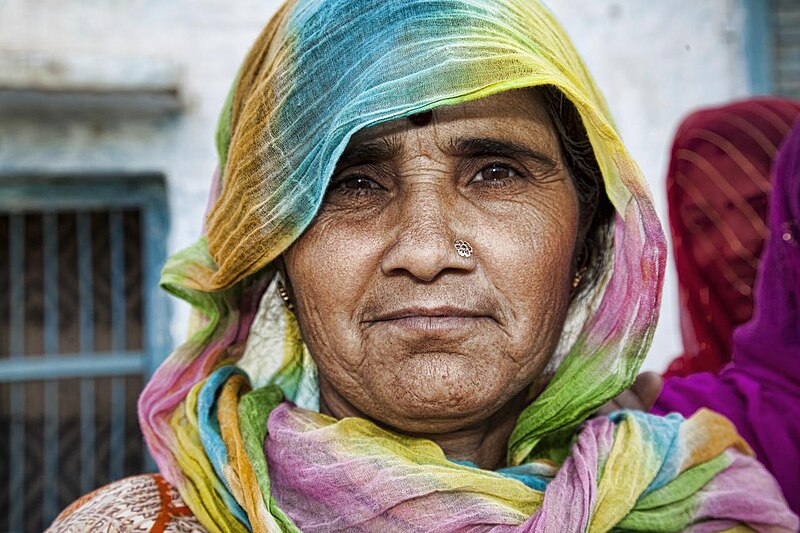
x=138 y=503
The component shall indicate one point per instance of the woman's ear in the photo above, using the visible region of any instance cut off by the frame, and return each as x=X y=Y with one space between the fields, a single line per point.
x=280 y=264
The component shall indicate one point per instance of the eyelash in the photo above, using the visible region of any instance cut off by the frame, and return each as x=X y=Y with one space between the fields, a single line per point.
x=498 y=183
x=338 y=185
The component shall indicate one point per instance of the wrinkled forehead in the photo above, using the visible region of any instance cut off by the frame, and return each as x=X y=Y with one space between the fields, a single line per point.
x=519 y=114
x=328 y=69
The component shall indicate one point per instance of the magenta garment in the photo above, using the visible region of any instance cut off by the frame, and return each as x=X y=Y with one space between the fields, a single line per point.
x=759 y=391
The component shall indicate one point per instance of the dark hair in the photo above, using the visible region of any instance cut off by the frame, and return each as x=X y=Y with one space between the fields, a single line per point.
x=595 y=209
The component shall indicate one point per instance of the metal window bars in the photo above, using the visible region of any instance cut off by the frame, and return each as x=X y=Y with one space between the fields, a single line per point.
x=81 y=327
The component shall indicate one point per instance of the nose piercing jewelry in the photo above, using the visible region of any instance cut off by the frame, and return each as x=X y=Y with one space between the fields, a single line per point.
x=463 y=248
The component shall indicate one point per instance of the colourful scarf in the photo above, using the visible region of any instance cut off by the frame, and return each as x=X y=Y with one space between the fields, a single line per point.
x=214 y=414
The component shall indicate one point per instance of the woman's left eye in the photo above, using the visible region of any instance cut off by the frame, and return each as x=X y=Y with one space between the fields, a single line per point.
x=495 y=173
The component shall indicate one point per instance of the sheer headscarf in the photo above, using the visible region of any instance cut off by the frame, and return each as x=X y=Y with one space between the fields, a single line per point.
x=760 y=389
x=718 y=183
x=214 y=414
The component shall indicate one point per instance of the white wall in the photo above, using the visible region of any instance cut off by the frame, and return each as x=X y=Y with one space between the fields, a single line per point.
x=655 y=61
x=205 y=40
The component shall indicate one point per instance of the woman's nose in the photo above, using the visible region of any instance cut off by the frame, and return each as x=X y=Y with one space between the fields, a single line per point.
x=425 y=240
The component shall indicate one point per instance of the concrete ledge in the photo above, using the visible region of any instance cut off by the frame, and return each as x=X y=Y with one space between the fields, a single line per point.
x=34 y=84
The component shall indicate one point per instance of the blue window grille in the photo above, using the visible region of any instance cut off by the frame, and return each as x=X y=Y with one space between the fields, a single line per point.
x=82 y=326
x=772 y=46
x=758 y=44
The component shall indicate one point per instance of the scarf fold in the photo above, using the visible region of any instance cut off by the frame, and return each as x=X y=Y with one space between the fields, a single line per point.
x=629 y=470
x=320 y=71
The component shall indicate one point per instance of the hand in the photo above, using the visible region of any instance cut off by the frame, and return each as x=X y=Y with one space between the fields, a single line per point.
x=640 y=396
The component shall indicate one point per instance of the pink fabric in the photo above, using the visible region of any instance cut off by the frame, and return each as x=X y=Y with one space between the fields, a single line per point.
x=630 y=470
x=759 y=391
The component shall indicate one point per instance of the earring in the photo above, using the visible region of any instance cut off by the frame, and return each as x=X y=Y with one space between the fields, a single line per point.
x=285 y=297
x=578 y=277
x=582 y=259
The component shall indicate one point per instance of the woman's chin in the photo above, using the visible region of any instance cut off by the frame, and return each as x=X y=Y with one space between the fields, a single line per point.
x=438 y=398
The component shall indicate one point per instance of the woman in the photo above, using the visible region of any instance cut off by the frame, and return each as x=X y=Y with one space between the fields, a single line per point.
x=719 y=174
x=410 y=237
x=759 y=390
x=717 y=185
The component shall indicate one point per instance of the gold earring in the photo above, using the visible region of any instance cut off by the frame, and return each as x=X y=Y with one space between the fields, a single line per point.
x=285 y=297
x=578 y=277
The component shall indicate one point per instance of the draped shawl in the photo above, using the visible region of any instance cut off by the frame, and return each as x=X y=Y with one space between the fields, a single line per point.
x=760 y=389
x=720 y=165
x=230 y=416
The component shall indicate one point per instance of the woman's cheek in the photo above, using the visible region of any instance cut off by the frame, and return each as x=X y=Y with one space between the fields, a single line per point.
x=331 y=267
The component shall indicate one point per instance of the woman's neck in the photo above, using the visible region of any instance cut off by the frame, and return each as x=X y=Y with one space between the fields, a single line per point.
x=483 y=444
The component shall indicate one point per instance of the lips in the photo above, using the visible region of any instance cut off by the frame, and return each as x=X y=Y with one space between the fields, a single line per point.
x=430 y=318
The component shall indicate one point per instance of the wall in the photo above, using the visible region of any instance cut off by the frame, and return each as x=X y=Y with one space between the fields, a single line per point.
x=655 y=61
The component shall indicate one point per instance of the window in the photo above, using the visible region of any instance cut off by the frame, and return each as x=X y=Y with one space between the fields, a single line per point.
x=81 y=328
x=786 y=24
x=772 y=46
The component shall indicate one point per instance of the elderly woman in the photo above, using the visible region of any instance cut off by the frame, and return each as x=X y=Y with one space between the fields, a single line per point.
x=429 y=259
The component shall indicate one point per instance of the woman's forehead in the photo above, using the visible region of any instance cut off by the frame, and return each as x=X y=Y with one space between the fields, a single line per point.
x=520 y=114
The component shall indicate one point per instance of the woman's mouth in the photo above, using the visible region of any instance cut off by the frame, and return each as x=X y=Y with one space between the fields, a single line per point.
x=430 y=318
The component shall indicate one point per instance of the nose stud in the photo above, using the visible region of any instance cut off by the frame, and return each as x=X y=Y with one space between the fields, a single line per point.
x=463 y=248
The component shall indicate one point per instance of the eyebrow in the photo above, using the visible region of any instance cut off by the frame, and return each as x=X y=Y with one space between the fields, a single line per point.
x=390 y=147
x=477 y=146
x=383 y=149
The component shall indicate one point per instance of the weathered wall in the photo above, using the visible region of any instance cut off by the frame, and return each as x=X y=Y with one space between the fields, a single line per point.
x=655 y=61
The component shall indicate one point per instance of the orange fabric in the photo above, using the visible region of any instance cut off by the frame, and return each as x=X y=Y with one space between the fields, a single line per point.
x=168 y=509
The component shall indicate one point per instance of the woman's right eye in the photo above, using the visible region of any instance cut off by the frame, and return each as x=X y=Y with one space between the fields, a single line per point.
x=355 y=185
x=357 y=182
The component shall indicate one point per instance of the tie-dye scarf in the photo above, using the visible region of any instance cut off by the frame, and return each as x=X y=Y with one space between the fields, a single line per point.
x=214 y=414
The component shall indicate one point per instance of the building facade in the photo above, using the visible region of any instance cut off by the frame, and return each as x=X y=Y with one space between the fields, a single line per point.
x=107 y=119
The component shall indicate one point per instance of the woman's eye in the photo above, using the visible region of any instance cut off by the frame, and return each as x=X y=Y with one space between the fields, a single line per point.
x=356 y=183
x=495 y=172
x=697 y=218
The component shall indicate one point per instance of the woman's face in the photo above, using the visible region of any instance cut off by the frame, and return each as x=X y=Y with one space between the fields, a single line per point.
x=725 y=232
x=403 y=329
